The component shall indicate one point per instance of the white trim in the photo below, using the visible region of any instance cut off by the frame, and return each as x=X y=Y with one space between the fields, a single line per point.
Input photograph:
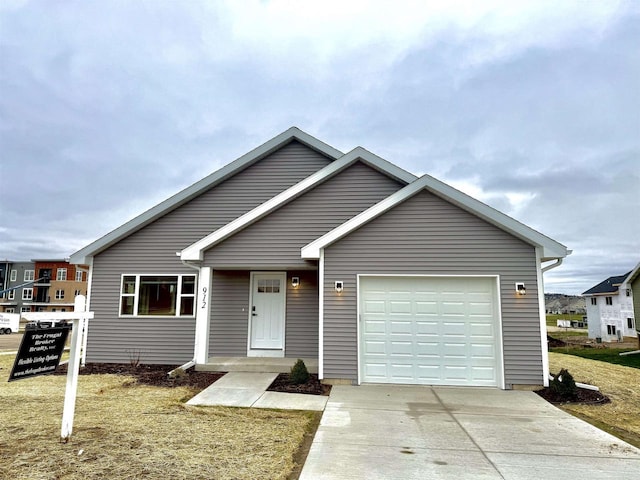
x=136 y=294
x=499 y=341
x=195 y=251
x=551 y=248
x=544 y=350
x=321 y=316
x=262 y=352
x=202 y=309
x=293 y=133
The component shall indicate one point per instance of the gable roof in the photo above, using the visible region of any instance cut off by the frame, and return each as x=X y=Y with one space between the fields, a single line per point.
x=194 y=252
x=610 y=285
x=550 y=248
x=82 y=256
x=634 y=274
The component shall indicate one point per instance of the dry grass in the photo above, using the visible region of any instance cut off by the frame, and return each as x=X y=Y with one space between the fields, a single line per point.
x=621 y=384
x=124 y=431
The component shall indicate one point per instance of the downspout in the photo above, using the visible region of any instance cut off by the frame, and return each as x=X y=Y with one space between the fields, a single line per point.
x=191 y=362
x=543 y=319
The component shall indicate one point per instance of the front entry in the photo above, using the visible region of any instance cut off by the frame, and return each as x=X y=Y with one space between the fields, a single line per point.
x=267 y=314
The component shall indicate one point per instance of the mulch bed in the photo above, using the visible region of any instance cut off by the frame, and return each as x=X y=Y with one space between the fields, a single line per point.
x=583 y=395
x=312 y=387
x=156 y=375
x=555 y=343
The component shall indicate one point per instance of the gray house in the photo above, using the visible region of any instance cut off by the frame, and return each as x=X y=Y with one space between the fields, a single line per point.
x=296 y=250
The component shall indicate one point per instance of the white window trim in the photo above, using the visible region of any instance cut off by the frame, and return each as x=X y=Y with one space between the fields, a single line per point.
x=59 y=294
x=27 y=294
x=14 y=275
x=179 y=294
x=78 y=275
x=61 y=274
x=12 y=295
x=29 y=275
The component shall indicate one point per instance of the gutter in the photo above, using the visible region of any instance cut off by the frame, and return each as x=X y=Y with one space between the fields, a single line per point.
x=557 y=263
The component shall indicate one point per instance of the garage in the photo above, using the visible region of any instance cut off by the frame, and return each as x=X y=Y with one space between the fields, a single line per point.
x=430 y=330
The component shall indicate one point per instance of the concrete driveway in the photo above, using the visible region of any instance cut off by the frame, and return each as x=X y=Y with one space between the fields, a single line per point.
x=406 y=432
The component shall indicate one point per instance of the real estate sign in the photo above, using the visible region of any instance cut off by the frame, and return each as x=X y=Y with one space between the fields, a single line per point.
x=39 y=352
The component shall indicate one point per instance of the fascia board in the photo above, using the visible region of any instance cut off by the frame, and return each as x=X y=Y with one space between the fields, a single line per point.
x=550 y=248
x=195 y=251
x=182 y=197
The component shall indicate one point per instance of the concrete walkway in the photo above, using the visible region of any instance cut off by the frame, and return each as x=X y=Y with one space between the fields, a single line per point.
x=403 y=432
x=248 y=389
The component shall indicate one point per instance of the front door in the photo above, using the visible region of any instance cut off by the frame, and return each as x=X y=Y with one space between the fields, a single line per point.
x=266 y=320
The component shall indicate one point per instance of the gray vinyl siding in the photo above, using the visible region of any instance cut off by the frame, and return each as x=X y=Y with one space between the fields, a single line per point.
x=427 y=235
x=228 y=335
x=302 y=316
x=228 y=331
x=153 y=250
x=275 y=241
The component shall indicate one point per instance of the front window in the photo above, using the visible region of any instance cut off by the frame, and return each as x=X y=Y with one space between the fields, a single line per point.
x=158 y=295
x=61 y=274
x=78 y=275
x=611 y=329
x=27 y=293
x=594 y=301
x=630 y=323
x=608 y=300
x=25 y=309
x=29 y=275
x=14 y=275
x=59 y=294
x=12 y=295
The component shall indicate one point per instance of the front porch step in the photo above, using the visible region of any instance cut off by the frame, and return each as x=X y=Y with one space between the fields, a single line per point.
x=254 y=364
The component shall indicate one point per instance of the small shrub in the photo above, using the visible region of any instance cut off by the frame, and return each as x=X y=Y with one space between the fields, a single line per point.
x=564 y=385
x=299 y=373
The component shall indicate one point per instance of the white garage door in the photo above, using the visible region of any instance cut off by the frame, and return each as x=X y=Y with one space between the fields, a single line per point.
x=429 y=330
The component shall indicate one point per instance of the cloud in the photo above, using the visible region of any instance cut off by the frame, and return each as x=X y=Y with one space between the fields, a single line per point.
x=531 y=107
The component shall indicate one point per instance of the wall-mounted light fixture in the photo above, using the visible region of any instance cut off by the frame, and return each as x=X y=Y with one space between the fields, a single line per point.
x=520 y=288
x=339 y=286
x=295 y=282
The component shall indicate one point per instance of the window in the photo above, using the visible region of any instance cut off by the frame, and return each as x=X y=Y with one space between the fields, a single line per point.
x=630 y=323
x=269 y=286
x=10 y=310
x=628 y=292
x=61 y=274
x=29 y=275
x=76 y=293
x=27 y=293
x=608 y=300
x=59 y=294
x=163 y=295
x=78 y=275
x=12 y=295
x=594 y=301
x=611 y=329
x=25 y=309
x=14 y=275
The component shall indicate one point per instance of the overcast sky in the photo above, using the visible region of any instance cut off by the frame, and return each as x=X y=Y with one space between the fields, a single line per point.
x=107 y=108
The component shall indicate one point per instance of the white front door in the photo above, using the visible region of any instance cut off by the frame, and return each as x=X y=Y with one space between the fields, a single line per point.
x=266 y=320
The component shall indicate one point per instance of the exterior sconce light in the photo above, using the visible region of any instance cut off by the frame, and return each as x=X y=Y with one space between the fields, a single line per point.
x=520 y=288
x=339 y=286
x=295 y=282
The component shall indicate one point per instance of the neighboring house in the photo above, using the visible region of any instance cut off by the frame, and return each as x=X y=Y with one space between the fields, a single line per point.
x=58 y=283
x=296 y=250
x=610 y=309
x=16 y=274
x=633 y=281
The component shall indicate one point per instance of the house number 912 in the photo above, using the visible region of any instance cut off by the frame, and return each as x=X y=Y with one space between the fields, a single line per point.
x=204 y=297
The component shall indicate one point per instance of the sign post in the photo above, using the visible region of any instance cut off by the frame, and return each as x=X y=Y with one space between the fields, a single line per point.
x=47 y=340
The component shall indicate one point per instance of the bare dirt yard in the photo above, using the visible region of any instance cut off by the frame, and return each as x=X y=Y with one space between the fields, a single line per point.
x=128 y=429
x=621 y=416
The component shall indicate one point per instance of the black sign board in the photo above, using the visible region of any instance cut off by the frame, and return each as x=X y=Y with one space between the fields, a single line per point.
x=39 y=352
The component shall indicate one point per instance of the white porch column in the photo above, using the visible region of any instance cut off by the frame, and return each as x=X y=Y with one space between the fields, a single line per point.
x=203 y=308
